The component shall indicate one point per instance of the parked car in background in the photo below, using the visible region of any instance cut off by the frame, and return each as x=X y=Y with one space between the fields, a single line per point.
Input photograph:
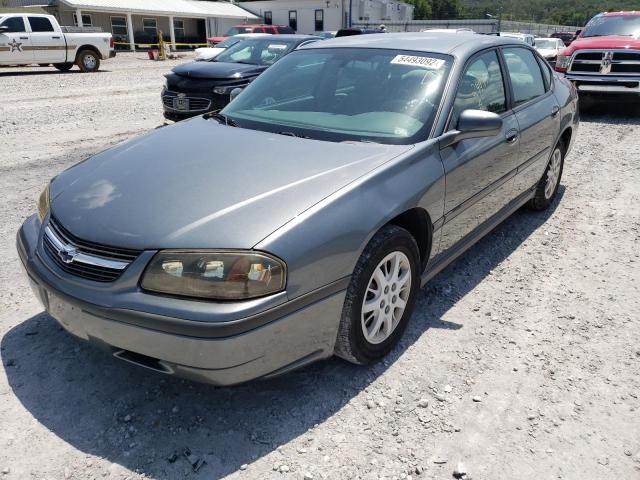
x=195 y=88
x=566 y=37
x=251 y=28
x=449 y=30
x=27 y=38
x=549 y=48
x=347 y=32
x=605 y=57
x=209 y=53
x=302 y=220
x=328 y=34
x=523 y=37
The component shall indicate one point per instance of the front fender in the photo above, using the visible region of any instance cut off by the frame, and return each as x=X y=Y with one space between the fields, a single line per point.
x=323 y=243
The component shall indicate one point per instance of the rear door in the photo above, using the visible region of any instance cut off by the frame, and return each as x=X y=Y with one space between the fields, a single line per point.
x=537 y=111
x=479 y=171
x=48 y=45
x=15 y=44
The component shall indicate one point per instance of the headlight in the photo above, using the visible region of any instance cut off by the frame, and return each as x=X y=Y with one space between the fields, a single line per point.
x=562 y=62
x=214 y=275
x=227 y=90
x=44 y=202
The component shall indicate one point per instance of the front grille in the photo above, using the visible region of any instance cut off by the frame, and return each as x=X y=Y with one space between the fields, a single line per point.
x=622 y=62
x=97 y=273
x=195 y=104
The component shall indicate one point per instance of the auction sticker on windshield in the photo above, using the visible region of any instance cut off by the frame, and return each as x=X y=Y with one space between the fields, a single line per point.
x=424 y=62
x=276 y=46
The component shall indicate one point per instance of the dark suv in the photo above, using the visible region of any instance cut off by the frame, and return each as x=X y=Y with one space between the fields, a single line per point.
x=199 y=87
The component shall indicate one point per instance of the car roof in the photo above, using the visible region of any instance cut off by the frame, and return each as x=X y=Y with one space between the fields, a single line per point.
x=631 y=13
x=462 y=44
x=287 y=36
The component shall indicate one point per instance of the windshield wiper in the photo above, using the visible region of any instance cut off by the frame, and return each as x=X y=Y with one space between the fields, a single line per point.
x=292 y=134
x=222 y=119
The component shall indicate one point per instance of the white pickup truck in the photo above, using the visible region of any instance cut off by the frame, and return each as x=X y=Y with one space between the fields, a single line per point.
x=33 y=38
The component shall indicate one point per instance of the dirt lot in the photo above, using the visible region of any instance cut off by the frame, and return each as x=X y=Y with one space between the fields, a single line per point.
x=539 y=322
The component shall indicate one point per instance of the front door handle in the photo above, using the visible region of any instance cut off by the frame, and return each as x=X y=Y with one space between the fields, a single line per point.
x=56 y=38
x=555 y=111
x=512 y=136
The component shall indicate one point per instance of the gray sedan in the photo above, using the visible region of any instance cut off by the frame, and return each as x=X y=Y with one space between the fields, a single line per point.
x=302 y=220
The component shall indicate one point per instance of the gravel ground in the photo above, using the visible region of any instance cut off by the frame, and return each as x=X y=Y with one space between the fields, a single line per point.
x=522 y=359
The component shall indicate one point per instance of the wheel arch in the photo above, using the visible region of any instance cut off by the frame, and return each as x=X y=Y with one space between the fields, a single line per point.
x=418 y=223
x=87 y=47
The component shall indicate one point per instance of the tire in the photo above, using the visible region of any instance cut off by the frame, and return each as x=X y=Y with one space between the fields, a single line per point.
x=63 y=67
x=545 y=192
x=353 y=344
x=88 y=61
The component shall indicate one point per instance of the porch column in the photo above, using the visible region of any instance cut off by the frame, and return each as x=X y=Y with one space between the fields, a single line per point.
x=206 y=29
x=132 y=43
x=172 y=33
x=79 y=17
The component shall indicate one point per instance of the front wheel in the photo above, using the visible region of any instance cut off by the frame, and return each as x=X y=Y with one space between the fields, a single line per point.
x=547 y=187
x=380 y=298
x=88 y=61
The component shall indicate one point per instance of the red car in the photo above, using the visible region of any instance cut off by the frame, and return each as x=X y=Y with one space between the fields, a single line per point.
x=251 y=28
x=605 y=56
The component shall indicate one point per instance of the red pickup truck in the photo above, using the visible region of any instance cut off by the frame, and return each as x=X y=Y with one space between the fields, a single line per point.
x=251 y=28
x=605 y=56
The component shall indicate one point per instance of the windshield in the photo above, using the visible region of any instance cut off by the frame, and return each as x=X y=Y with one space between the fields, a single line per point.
x=263 y=51
x=625 y=25
x=339 y=94
x=236 y=30
x=229 y=42
x=550 y=44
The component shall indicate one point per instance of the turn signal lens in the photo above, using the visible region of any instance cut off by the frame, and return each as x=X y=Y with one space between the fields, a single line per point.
x=562 y=62
x=44 y=202
x=215 y=275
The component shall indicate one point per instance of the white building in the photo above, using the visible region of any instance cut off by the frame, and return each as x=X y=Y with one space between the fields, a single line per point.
x=309 y=16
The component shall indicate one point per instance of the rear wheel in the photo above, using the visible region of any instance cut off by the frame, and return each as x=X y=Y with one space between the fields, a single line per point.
x=88 y=61
x=380 y=298
x=63 y=67
x=547 y=187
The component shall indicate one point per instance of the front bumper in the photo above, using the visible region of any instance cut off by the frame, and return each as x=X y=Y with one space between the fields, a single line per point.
x=179 y=106
x=259 y=344
x=605 y=83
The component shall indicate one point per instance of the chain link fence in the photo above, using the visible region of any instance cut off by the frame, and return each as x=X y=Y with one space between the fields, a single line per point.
x=479 y=26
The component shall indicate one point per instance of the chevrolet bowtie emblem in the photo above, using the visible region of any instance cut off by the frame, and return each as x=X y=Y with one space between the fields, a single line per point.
x=68 y=253
x=15 y=46
x=605 y=64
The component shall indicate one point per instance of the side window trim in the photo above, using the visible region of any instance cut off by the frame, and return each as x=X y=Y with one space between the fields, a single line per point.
x=505 y=85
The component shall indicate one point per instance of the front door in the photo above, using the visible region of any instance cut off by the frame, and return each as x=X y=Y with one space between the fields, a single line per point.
x=48 y=45
x=15 y=44
x=537 y=111
x=478 y=171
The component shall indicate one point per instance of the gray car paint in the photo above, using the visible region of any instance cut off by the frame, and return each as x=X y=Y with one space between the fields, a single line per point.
x=313 y=204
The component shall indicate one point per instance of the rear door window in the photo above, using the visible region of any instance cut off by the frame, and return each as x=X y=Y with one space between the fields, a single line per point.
x=525 y=75
x=40 y=24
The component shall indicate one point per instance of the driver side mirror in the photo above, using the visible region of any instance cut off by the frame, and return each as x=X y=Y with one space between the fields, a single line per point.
x=472 y=124
x=4 y=28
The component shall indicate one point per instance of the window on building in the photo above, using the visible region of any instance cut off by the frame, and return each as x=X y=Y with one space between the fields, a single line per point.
x=150 y=26
x=293 y=19
x=87 y=21
x=268 y=17
x=40 y=24
x=119 y=26
x=178 y=28
x=319 y=20
x=14 y=25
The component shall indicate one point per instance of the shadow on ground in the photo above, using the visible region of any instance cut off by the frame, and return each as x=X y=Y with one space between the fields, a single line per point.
x=84 y=396
x=616 y=109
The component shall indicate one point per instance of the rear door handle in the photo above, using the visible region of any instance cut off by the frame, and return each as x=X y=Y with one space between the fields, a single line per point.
x=24 y=38
x=555 y=111
x=56 y=37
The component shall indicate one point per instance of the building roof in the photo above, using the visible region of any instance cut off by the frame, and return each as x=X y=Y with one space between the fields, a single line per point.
x=190 y=8
x=461 y=43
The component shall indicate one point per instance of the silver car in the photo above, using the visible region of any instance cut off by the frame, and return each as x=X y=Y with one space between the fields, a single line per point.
x=300 y=221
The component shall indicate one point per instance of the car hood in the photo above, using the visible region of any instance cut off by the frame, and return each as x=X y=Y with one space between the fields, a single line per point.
x=547 y=52
x=218 y=70
x=613 y=42
x=200 y=184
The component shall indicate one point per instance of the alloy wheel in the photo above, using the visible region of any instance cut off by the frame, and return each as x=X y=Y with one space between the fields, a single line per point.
x=553 y=174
